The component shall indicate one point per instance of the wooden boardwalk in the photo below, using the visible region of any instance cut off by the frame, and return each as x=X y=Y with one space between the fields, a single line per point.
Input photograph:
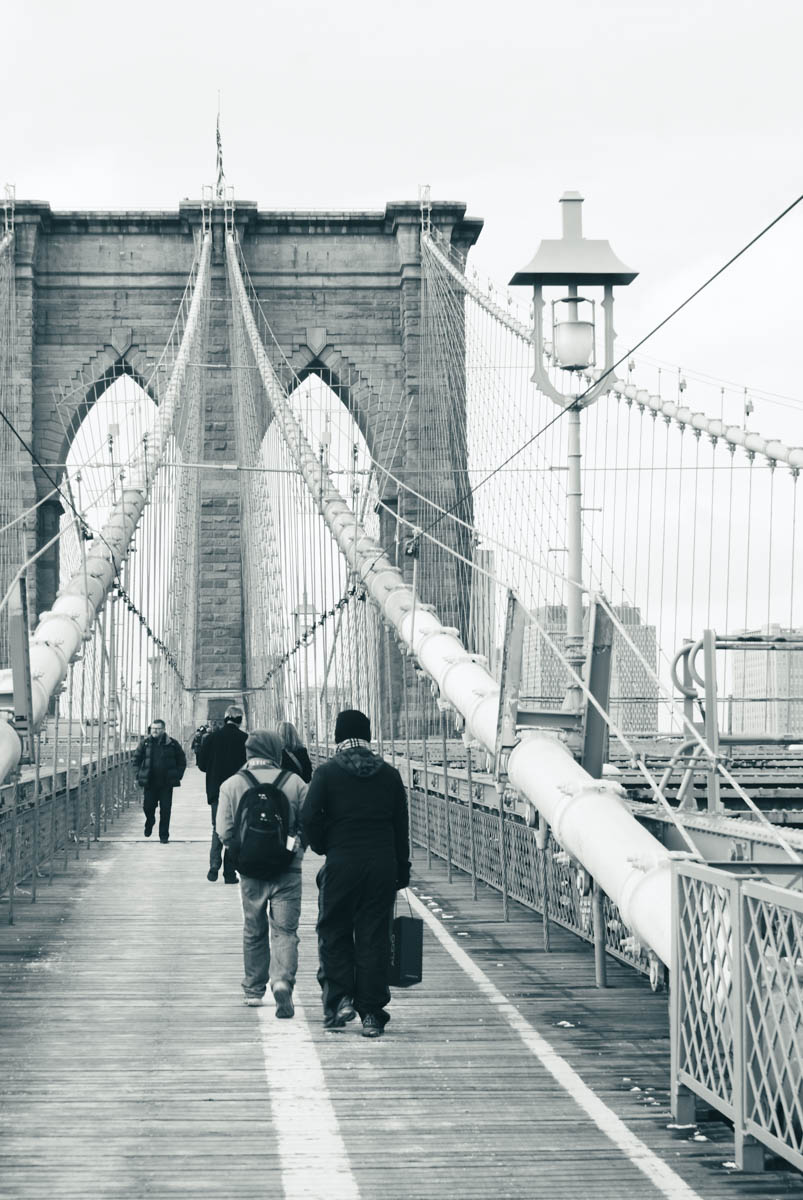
x=129 y=1067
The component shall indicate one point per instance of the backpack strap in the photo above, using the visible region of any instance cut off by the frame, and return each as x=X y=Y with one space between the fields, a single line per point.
x=293 y=758
x=277 y=782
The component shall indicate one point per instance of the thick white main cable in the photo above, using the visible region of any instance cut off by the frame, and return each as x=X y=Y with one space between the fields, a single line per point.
x=589 y=817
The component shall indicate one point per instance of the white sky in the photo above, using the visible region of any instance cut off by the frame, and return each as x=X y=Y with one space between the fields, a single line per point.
x=678 y=121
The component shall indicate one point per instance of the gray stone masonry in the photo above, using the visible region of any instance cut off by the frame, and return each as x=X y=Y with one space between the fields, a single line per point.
x=97 y=294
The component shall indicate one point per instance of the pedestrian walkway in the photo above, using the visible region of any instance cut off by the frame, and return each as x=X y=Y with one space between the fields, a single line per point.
x=129 y=1067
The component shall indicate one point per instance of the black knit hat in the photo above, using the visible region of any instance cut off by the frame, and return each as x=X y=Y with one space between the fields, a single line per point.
x=351 y=723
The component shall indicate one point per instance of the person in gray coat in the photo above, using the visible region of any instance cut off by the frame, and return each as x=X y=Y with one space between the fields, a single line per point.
x=271 y=907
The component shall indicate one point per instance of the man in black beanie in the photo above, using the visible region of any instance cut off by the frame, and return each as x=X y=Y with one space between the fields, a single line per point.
x=220 y=755
x=355 y=813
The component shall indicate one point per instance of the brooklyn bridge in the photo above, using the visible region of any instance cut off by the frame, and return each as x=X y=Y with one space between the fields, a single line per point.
x=302 y=462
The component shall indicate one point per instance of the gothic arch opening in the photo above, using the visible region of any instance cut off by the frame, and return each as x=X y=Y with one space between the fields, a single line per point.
x=101 y=446
x=106 y=432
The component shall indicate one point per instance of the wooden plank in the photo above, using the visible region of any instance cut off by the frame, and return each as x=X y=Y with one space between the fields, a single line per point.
x=129 y=1067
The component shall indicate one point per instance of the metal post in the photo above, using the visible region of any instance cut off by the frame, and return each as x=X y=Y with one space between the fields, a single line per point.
x=542 y=885
x=424 y=739
x=407 y=753
x=574 y=546
x=598 y=926
x=113 y=706
x=500 y=790
x=389 y=697
x=19 y=653
x=748 y=1151
x=446 y=799
x=37 y=811
x=711 y=718
x=682 y=1099
x=54 y=791
x=595 y=750
x=472 y=844
x=12 y=882
x=100 y=778
x=67 y=795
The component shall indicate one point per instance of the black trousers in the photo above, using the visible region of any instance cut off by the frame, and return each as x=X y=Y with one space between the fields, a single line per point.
x=355 y=910
x=163 y=797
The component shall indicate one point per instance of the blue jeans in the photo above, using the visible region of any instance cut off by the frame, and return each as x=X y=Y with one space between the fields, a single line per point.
x=271 y=910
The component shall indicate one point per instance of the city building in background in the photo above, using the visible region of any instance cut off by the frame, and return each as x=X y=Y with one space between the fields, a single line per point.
x=634 y=693
x=767 y=693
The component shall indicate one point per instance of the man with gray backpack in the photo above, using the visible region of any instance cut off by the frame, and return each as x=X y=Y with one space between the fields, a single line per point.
x=258 y=821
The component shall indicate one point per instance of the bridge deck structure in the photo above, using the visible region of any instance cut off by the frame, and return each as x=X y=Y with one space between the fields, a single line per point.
x=131 y=1067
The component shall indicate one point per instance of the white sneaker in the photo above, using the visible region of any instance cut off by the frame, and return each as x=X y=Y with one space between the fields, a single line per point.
x=253 y=1001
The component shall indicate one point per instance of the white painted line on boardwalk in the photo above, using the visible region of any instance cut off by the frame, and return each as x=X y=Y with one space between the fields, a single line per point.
x=657 y=1171
x=313 y=1156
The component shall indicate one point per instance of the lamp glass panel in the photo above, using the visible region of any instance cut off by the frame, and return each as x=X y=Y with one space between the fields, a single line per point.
x=574 y=344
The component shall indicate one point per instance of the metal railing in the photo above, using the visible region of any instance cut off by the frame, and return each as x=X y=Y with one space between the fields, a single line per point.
x=526 y=865
x=737 y=1003
x=46 y=817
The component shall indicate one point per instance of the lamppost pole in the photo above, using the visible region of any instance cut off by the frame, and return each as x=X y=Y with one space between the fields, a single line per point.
x=575 y=652
x=567 y=262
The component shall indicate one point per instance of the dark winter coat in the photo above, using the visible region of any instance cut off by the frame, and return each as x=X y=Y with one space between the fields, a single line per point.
x=159 y=762
x=297 y=761
x=356 y=807
x=220 y=755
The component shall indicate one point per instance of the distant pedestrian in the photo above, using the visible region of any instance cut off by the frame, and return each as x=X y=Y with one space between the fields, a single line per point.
x=356 y=814
x=261 y=824
x=294 y=755
x=197 y=738
x=219 y=756
x=160 y=763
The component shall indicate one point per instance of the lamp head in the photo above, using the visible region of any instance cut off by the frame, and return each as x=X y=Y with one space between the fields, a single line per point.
x=573 y=259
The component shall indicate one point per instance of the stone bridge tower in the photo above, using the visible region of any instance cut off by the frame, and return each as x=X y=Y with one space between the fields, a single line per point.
x=96 y=297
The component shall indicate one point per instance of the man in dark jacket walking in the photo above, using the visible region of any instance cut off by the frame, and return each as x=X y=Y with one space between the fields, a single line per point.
x=220 y=755
x=355 y=813
x=159 y=762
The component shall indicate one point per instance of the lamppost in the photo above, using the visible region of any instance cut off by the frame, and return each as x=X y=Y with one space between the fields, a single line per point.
x=569 y=262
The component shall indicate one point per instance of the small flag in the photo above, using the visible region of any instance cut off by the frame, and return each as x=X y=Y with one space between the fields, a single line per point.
x=219 y=168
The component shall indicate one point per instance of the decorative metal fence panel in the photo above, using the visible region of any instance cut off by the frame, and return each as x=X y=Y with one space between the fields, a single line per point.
x=737 y=1003
x=772 y=923
x=703 y=985
x=546 y=880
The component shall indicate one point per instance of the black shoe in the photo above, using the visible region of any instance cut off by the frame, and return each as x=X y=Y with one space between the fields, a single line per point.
x=284 y=1000
x=211 y=874
x=345 y=1010
x=164 y=840
x=341 y=1016
x=230 y=879
x=148 y=828
x=371 y=1026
